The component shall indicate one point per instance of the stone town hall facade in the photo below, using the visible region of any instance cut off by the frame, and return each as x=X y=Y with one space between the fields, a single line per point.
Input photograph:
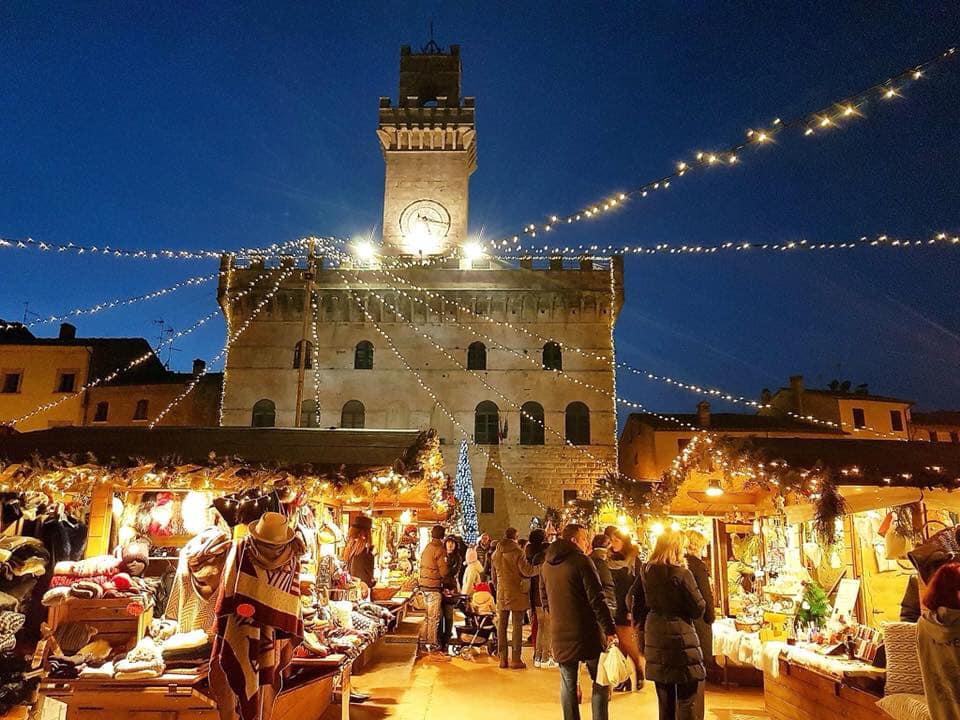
x=352 y=377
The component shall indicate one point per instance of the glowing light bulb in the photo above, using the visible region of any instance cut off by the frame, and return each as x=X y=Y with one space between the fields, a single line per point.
x=657 y=529
x=714 y=489
x=364 y=251
x=472 y=251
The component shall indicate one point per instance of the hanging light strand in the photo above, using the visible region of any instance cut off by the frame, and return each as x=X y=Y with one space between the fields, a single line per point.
x=275 y=250
x=597 y=252
x=194 y=381
x=834 y=116
x=110 y=304
x=433 y=396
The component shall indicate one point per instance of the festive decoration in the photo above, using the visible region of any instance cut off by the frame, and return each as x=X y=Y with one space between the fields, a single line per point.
x=469 y=526
x=814 y=606
x=598 y=253
x=828 y=508
x=837 y=114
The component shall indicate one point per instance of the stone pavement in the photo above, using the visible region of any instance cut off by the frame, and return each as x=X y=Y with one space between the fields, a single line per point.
x=478 y=690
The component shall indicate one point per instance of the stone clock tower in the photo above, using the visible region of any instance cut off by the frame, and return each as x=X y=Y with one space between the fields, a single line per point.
x=429 y=144
x=540 y=417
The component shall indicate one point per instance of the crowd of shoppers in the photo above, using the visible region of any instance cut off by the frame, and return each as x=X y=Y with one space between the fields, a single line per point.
x=582 y=594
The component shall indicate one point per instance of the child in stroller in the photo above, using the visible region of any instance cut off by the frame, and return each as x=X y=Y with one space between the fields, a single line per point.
x=479 y=629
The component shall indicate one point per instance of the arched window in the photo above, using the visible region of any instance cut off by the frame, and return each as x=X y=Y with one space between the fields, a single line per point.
x=353 y=414
x=486 y=424
x=298 y=355
x=531 y=424
x=477 y=356
x=578 y=424
x=552 y=356
x=140 y=412
x=309 y=414
x=264 y=414
x=363 y=356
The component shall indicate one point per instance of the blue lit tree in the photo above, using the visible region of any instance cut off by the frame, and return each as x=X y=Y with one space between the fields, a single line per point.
x=467 y=523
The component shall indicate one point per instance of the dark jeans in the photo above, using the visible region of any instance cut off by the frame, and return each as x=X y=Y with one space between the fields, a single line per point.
x=678 y=701
x=569 y=672
x=516 y=641
x=446 y=623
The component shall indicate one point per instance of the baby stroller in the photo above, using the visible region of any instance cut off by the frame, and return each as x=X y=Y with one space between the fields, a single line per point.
x=479 y=628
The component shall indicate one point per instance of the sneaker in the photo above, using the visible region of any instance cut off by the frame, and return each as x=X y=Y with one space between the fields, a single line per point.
x=550 y=664
x=536 y=663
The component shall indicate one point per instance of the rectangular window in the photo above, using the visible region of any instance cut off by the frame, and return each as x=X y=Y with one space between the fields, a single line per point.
x=66 y=381
x=140 y=411
x=896 y=420
x=569 y=496
x=859 y=420
x=933 y=436
x=11 y=381
x=955 y=437
x=102 y=411
x=486 y=500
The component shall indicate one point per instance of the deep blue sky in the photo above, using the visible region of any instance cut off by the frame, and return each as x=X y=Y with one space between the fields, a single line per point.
x=229 y=124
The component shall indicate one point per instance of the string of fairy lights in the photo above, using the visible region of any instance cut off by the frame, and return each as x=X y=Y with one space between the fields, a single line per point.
x=433 y=396
x=275 y=250
x=119 y=302
x=597 y=252
x=231 y=338
x=602 y=462
x=836 y=115
x=110 y=377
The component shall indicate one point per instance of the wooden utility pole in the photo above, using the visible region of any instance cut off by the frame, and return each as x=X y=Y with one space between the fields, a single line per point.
x=304 y=344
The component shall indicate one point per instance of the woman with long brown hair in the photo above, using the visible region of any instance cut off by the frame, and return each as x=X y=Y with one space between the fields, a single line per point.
x=358 y=552
x=624 y=565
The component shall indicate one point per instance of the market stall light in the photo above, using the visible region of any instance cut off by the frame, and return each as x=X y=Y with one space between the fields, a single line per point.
x=657 y=529
x=675 y=526
x=714 y=489
x=406 y=517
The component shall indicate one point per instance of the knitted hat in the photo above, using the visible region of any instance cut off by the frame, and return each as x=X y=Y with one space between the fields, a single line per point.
x=136 y=551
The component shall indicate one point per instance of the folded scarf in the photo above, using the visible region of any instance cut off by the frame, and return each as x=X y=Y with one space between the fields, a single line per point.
x=145 y=651
x=73 y=636
x=104 y=672
x=185 y=641
x=141 y=673
x=86 y=590
x=101 y=565
x=55 y=596
x=95 y=652
x=201 y=652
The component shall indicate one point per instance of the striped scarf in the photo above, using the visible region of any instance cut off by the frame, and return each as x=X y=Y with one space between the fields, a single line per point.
x=257 y=606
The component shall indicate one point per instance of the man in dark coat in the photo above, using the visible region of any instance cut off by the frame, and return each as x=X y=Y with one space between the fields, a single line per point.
x=581 y=623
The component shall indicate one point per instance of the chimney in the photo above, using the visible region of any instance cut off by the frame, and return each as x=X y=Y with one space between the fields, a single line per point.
x=67 y=331
x=765 y=396
x=703 y=414
x=796 y=387
x=199 y=366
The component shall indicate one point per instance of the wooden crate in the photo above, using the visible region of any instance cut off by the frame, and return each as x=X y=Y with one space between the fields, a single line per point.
x=110 y=616
x=803 y=694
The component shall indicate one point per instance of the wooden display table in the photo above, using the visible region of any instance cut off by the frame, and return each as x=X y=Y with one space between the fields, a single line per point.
x=180 y=697
x=802 y=693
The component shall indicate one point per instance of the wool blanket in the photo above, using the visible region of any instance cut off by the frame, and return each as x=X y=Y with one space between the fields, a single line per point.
x=258 y=605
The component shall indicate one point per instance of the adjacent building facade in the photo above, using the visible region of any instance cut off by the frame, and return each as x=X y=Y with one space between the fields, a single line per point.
x=540 y=416
x=44 y=378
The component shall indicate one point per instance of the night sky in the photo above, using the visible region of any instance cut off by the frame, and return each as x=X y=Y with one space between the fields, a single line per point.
x=221 y=125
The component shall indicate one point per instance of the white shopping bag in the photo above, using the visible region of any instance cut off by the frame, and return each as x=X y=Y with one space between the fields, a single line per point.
x=614 y=668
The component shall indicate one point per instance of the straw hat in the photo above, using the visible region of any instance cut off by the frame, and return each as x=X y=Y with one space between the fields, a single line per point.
x=272 y=529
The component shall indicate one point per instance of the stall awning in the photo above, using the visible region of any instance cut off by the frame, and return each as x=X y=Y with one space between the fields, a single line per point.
x=346 y=452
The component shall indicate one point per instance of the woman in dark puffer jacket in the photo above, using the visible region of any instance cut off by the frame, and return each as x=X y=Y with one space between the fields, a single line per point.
x=668 y=602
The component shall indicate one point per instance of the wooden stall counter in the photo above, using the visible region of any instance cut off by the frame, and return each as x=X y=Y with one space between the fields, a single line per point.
x=800 y=692
x=179 y=697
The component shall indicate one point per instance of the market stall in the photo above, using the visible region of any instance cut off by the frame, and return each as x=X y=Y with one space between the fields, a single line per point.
x=207 y=553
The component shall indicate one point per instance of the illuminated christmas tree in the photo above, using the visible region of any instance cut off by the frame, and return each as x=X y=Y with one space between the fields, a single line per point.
x=467 y=523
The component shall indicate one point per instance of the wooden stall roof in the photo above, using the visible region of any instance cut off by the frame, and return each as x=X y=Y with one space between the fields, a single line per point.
x=869 y=462
x=275 y=447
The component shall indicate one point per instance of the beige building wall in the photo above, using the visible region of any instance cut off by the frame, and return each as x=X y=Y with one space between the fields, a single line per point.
x=41 y=367
x=200 y=408
x=572 y=306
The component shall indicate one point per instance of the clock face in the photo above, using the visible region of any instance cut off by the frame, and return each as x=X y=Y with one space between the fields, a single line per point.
x=424 y=224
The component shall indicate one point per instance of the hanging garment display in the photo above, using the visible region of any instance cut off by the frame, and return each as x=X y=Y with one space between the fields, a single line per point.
x=192 y=596
x=258 y=609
